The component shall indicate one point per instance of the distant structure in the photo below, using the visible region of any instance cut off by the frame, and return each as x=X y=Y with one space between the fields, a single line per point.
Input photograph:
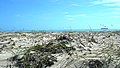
x=104 y=28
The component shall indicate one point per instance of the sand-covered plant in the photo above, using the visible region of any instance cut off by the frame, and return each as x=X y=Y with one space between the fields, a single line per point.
x=111 y=56
x=107 y=57
x=40 y=56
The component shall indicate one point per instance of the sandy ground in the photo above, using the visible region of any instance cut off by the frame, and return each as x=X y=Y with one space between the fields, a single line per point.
x=86 y=43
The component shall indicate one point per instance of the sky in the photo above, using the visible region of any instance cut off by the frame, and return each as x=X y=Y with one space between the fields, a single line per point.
x=59 y=14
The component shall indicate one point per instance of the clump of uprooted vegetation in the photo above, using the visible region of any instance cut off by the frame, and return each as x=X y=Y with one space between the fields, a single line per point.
x=40 y=56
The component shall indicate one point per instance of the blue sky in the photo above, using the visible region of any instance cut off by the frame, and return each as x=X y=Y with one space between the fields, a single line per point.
x=59 y=14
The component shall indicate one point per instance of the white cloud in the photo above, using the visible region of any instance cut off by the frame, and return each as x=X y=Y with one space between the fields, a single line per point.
x=115 y=17
x=29 y=14
x=114 y=9
x=76 y=15
x=77 y=5
x=69 y=18
x=117 y=9
x=18 y=15
x=116 y=12
x=23 y=15
x=54 y=0
x=66 y=12
x=107 y=2
x=112 y=4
